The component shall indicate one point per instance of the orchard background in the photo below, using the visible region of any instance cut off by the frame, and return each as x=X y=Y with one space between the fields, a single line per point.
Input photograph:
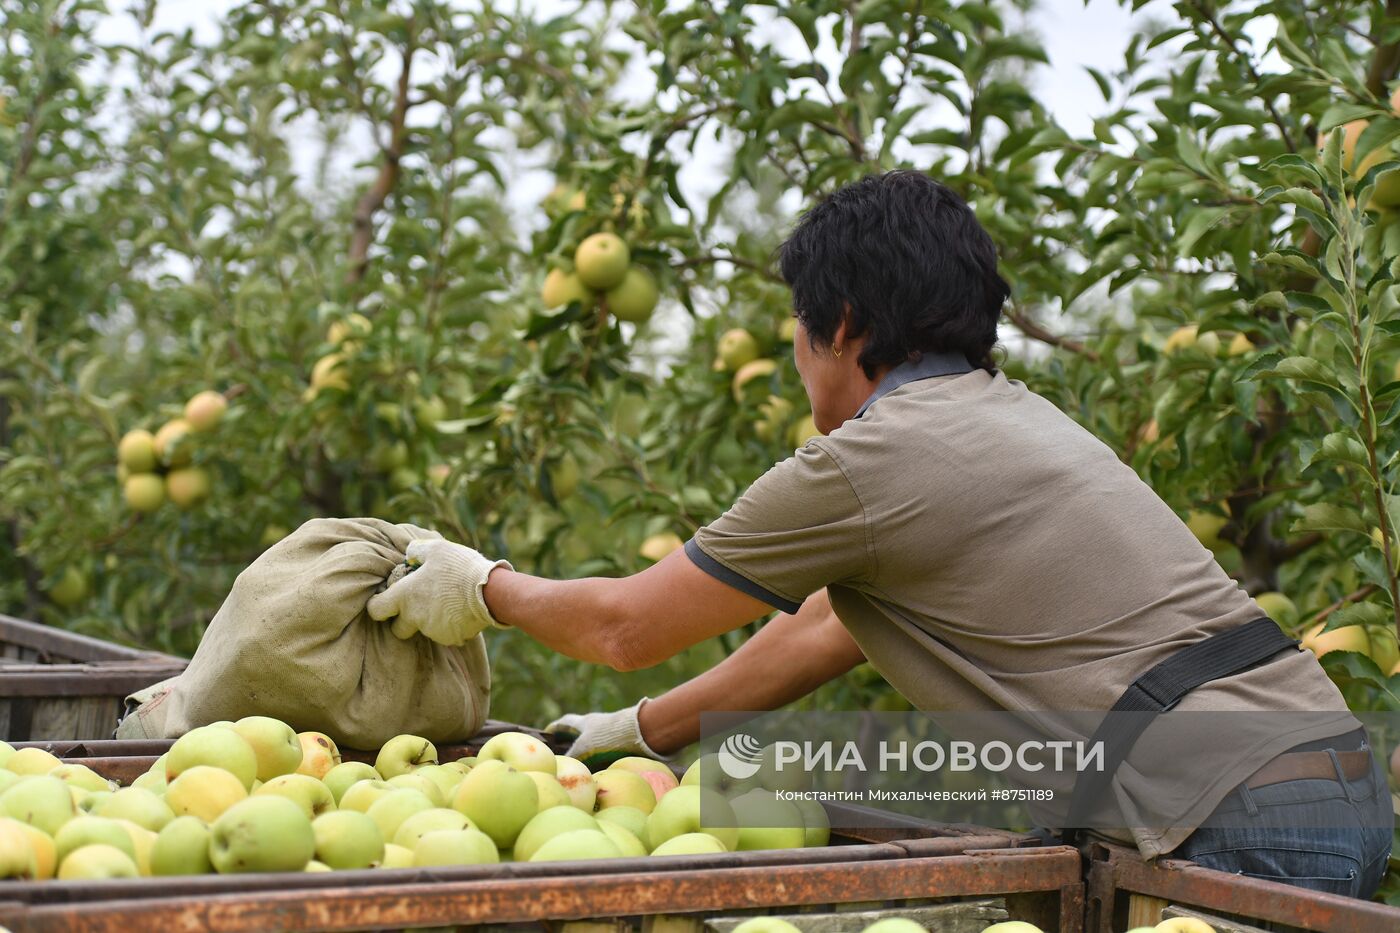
x=1200 y=282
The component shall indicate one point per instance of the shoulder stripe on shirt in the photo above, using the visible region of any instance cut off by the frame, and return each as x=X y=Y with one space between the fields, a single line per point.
x=736 y=580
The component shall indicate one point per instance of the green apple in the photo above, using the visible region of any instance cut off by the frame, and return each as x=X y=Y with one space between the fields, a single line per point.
x=629 y=818
x=444 y=777
x=522 y=752
x=601 y=260
x=17 y=856
x=75 y=775
x=346 y=839
x=707 y=772
x=153 y=781
x=766 y=925
x=314 y=866
x=91 y=830
x=789 y=776
x=624 y=839
x=274 y=744
x=362 y=794
x=690 y=844
x=817 y=826
x=462 y=765
x=560 y=288
x=547 y=824
x=339 y=779
x=1170 y=925
x=575 y=845
x=634 y=298
x=205 y=792
x=1020 y=926
x=8 y=779
x=455 y=847
x=267 y=833
x=91 y=799
x=142 y=807
x=404 y=753
x=96 y=863
x=396 y=857
x=390 y=810
x=311 y=795
x=43 y=802
x=736 y=347
x=897 y=925
x=426 y=786
x=624 y=789
x=692 y=809
x=31 y=761
x=419 y=824
x=318 y=754
x=216 y=747
x=143 y=842
x=498 y=799
x=182 y=848
x=6 y=750
x=551 y=792
x=765 y=822
x=577 y=781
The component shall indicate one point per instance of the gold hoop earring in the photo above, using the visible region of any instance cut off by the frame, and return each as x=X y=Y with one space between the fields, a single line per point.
x=836 y=351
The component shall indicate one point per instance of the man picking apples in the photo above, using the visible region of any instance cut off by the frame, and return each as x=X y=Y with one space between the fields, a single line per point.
x=981 y=549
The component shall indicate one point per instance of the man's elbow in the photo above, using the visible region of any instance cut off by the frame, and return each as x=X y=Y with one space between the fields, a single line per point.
x=624 y=651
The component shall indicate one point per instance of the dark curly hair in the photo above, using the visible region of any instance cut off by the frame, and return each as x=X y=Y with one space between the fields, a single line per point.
x=911 y=259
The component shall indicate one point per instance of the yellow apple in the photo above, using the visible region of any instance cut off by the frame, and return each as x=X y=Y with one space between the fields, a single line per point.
x=140 y=806
x=659 y=545
x=562 y=288
x=455 y=847
x=690 y=844
x=217 y=747
x=144 y=492
x=204 y=411
x=31 y=760
x=759 y=369
x=735 y=348
x=318 y=754
x=187 y=486
x=575 y=845
x=346 y=839
x=137 y=451
x=205 y=792
x=1346 y=638
x=396 y=857
x=1178 y=925
x=419 y=824
x=624 y=789
x=305 y=791
x=547 y=824
x=274 y=744
x=522 y=752
x=17 y=856
x=172 y=443
x=577 y=781
x=97 y=863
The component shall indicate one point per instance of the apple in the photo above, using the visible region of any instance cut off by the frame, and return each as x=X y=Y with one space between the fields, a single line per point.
x=144 y=492
x=346 y=839
x=577 y=781
x=547 y=824
x=629 y=818
x=444 y=778
x=498 y=799
x=1171 y=925
x=1206 y=526
x=1279 y=608
x=136 y=804
x=816 y=824
x=765 y=822
x=1346 y=638
x=143 y=842
x=424 y=785
x=396 y=857
x=137 y=451
x=601 y=260
x=659 y=545
x=427 y=821
x=759 y=369
x=690 y=844
x=390 y=810
x=462 y=765
x=31 y=760
x=329 y=373
x=404 y=753
x=575 y=845
x=187 y=486
x=692 y=809
x=153 y=781
x=274 y=745
x=311 y=795
x=215 y=747
x=17 y=856
x=803 y=431
x=267 y=833
x=736 y=347
x=94 y=798
x=318 y=754
x=624 y=789
x=75 y=775
x=766 y=925
x=645 y=766
x=182 y=848
x=97 y=862
x=171 y=444
x=8 y=779
x=522 y=752
x=205 y=410
x=340 y=778
x=71 y=588
x=314 y=866
x=551 y=792
x=42 y=802
x=899 y=925
x=770 y=776
x=45 y=852
x=6 y=750
x=205 y=792
x=634 y=298
x=562 y=288
x=623 y=838
x=455 y=847
x=360 y=795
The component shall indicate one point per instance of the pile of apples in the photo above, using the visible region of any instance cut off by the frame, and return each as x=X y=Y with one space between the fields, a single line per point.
x=256 y=796
x=154 y=467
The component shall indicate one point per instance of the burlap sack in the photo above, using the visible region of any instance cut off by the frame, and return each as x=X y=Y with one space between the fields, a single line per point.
x=293 y=641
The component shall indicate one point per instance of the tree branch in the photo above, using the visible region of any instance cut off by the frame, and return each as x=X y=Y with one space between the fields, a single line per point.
x=362 y=233
x=1031 y=329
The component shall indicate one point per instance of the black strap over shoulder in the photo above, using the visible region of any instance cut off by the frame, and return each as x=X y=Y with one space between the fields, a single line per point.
x=1163 y=687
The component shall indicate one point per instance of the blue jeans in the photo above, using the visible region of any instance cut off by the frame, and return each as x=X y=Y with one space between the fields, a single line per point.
x=1331 y=835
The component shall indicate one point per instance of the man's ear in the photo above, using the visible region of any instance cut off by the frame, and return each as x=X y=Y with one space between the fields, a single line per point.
x=838 y=339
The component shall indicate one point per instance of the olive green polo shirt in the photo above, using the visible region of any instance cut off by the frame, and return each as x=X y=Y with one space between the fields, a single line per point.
x=988 y=553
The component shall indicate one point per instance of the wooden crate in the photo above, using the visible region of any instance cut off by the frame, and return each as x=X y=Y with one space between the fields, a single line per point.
x=64 y=686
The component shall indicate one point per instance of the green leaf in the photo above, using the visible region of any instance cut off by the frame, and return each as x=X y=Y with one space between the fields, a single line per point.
x=1324 y=516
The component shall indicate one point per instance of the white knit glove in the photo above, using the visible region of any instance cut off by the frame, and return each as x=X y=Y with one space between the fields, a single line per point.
x=442 y=597
x=602 y=738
